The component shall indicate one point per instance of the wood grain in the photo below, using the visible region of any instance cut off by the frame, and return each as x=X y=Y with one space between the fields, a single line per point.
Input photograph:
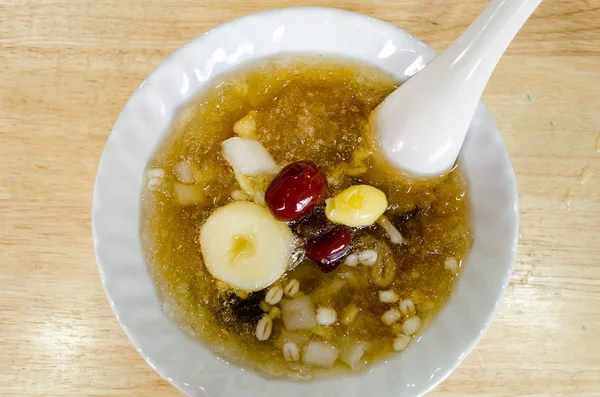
x=68 y=67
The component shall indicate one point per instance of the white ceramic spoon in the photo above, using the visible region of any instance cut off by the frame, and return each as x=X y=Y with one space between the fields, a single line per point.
x=422 y=125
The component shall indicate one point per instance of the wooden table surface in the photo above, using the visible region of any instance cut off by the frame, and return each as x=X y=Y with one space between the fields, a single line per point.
x=68 y=67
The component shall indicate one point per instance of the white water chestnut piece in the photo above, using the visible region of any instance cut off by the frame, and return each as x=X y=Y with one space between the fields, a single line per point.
x=249 y=157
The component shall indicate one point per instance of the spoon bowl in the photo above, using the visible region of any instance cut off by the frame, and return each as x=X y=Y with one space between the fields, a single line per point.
x=422 y=125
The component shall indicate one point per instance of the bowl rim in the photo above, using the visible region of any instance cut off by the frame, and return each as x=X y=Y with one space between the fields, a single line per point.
x=278 y=13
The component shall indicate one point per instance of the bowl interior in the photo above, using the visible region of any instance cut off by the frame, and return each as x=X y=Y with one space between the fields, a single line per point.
x=145 y=119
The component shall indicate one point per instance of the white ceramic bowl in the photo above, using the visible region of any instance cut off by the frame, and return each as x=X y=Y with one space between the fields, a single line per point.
x=187 y=364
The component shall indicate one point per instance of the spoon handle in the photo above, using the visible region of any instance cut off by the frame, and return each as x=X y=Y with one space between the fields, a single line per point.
x=422 y=125
x=476 y=52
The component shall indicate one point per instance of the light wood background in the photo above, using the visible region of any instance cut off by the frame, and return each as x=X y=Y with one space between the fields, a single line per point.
x=68 y=67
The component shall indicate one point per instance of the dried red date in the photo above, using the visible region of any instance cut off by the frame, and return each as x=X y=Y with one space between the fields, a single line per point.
x=296 y=191
x=329 y=248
